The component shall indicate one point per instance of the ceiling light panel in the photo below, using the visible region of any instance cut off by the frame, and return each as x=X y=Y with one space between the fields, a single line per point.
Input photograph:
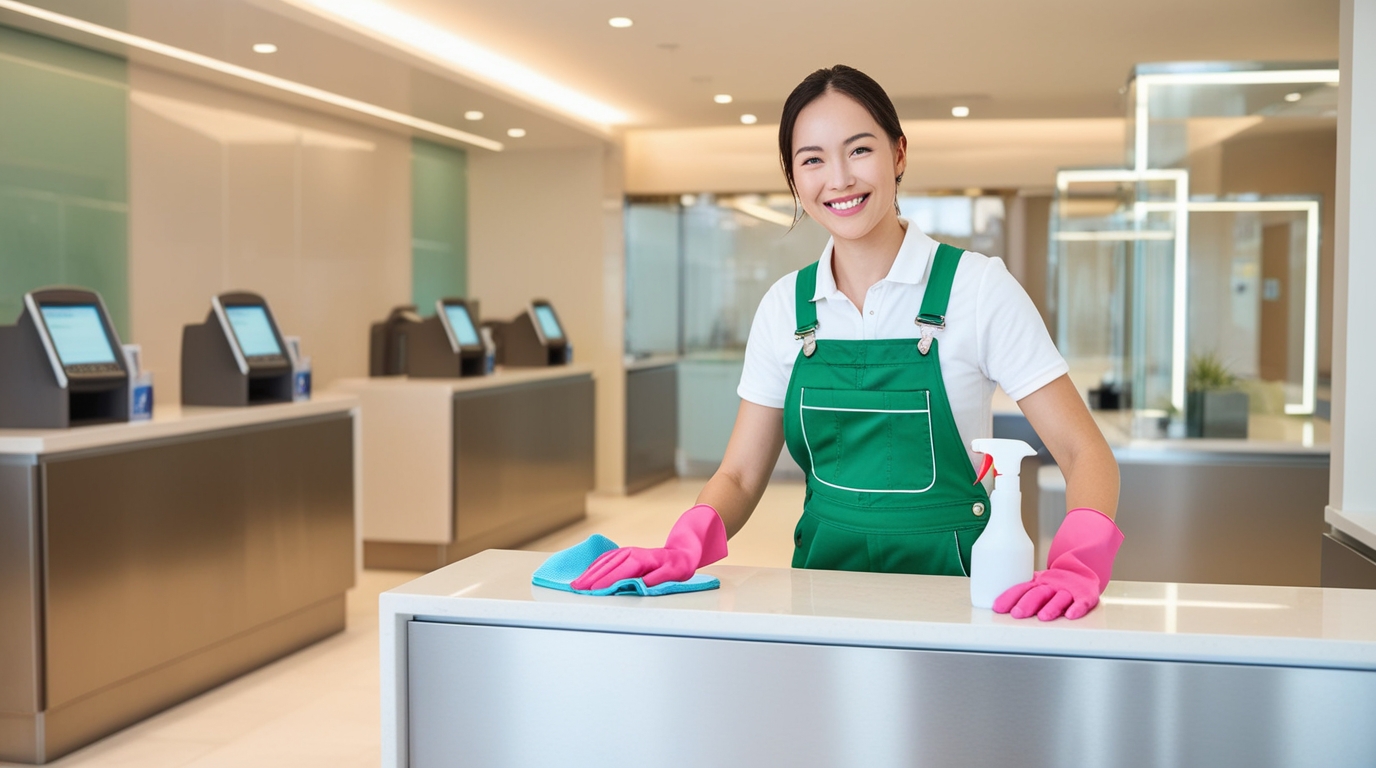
x=722 y=98
x=620 y=22
x=264 y=48
x=412 y=33
x=749 y=119
x=473 y=114
x=516 y=133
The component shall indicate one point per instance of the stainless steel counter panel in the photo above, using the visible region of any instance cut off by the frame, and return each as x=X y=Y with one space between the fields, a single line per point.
x=456 y=466
x=1347 y=563
x=651 y=425
x=20 y=584
x=165 y=566
x=1215 y=518
x=508 y=696
x=523 y=462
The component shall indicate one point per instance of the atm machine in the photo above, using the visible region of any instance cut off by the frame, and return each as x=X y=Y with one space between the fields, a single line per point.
x=445 y=346
x=62 y=364
x=237 y=356
x=533 y=338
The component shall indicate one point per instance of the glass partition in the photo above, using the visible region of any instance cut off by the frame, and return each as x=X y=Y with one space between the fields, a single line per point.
x=1207 y=244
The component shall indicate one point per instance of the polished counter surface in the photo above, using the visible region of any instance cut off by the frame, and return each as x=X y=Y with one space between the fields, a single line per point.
x=503 y=377
x=168 y=421
x=1283 y=626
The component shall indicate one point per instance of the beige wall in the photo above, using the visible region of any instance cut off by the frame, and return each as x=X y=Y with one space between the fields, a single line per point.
x=548 y=224
x=943 y=154
x=231 y=192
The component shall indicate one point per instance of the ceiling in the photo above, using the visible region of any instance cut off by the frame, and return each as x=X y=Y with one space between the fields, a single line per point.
x=1005 y=59
x=1002 y=58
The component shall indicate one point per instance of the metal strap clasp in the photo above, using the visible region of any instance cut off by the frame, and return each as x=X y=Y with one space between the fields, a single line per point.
x=808 y=336
x=928 y=324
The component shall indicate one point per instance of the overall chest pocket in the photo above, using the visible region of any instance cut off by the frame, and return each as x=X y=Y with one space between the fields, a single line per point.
x=869 y=442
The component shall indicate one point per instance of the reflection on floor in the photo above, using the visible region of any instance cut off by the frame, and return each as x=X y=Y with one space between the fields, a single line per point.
x=319 y=707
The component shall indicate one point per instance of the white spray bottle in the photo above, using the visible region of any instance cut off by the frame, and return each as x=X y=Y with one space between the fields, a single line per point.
x=1002 y=555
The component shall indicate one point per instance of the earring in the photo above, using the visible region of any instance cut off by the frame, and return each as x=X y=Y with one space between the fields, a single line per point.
x=898 y=179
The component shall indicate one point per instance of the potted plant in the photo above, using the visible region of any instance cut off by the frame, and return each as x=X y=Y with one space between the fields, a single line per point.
x=1214 y=406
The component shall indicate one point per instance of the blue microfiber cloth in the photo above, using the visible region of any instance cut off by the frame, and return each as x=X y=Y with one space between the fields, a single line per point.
x=563 y=567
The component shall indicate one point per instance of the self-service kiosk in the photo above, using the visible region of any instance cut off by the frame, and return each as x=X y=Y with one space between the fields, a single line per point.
x=237 y=356
x=533 y=338
x=62 y=364
x=445 y=346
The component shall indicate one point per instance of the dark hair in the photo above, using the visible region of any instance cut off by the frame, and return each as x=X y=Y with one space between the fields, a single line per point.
x=843 y=79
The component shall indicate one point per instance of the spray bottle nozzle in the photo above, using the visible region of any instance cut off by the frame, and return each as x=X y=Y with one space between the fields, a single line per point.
x=984 y=469
x=1003 y=456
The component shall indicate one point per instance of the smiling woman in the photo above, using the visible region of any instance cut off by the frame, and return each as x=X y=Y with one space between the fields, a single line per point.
x=880 y=411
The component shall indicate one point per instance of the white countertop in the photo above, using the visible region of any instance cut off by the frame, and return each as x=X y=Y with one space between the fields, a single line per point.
x=503 y=377
x=1329 y=628
x=651 y=361
x=169 y=420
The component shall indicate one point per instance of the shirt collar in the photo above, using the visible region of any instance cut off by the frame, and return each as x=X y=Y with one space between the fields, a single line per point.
x=910 y=267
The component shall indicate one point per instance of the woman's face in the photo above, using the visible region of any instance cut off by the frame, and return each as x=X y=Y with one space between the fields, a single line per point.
x=844 y=166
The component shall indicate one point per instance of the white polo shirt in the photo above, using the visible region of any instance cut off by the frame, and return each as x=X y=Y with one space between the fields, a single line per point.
x=994 y=335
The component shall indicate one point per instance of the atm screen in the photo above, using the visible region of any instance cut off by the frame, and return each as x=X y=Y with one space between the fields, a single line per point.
x=549 y=324
x=253 y=329
x=462 y=325
x=78 y=334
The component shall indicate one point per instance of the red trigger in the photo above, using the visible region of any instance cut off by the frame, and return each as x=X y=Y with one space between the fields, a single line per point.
x=984 y=470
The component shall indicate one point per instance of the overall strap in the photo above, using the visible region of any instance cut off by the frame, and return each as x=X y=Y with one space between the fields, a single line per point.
x=804 y=310
x=938 y=293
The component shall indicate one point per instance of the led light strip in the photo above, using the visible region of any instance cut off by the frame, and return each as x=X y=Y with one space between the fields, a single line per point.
x=251 y=75
x=402 y=30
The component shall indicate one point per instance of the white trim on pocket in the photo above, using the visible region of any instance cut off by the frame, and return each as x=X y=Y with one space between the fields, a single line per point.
x=965 y=571
x=812 y=461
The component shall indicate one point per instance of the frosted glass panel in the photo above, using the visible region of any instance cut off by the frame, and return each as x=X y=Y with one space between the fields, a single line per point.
x=63 y=172
x=439 y=223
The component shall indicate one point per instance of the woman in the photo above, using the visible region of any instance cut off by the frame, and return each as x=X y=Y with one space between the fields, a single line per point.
x=877 y=366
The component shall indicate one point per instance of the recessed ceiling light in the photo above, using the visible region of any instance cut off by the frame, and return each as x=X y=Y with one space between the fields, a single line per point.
x=264 y=48
x=722 y=98
x=960 y=111
x=620 y=22
x=472 y=114
x=516 y=133
x=1293 y=97
x=749 y=119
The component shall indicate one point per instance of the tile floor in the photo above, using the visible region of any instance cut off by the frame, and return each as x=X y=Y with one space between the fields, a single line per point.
x=319 y=707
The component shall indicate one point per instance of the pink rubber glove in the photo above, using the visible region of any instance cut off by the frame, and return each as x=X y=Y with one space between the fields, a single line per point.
x=1079 y=566
x=697 y=539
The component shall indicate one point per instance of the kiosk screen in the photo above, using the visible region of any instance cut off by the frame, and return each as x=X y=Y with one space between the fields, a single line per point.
x=462 y=324
x=549 y=324
x=253 y=329
x=78 y=334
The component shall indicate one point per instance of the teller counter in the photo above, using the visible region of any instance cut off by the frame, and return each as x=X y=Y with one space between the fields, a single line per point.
x=455 y=466
x=822 y=668
x=142 y=563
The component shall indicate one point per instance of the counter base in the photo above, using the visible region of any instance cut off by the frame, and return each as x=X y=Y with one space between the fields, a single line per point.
x=38 y=738
x=498 y=696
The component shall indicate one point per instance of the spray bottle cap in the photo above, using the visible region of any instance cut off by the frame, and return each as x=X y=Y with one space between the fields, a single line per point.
x=1005 y=456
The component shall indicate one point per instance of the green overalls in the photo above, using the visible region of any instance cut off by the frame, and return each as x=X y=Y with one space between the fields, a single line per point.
x=889 y=483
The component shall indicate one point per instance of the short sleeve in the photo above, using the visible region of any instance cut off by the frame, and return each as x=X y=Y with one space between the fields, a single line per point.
x=764 y=379
x=1016 y=351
